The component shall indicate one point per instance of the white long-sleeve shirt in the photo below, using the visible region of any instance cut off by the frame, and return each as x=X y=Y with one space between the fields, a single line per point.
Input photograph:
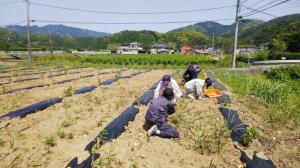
x=195 y=86
x=173 y=84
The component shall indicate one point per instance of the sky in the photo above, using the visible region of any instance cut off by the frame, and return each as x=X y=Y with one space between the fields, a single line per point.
x=13 y=11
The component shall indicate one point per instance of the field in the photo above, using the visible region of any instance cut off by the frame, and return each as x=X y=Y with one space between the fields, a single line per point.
x=56 y=135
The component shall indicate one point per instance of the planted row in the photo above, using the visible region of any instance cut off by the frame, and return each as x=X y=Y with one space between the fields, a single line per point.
x=43 y=85
x=23 y=112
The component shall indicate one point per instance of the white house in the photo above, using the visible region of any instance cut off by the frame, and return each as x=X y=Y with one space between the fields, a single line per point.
x=246 y=50
x=133 y=48
x=161 y=49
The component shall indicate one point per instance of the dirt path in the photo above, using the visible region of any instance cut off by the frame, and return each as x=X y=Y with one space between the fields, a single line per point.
x=71 y=124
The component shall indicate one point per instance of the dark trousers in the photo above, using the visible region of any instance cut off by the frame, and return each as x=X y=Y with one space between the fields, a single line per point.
x=166 y=131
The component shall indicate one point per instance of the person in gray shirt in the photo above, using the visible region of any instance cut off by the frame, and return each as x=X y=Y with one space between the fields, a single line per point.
x=157 y=116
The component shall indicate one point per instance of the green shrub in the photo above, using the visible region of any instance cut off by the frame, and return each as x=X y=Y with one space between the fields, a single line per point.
x=284 y=73
x=291 y=56
x=288 y=56
x=261 y=55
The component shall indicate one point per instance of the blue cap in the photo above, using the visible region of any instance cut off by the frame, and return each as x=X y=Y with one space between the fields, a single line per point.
x=166 y=78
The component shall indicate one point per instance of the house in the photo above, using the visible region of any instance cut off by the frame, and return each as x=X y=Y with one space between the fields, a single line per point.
x=161 y=49
x=192 y=50
x=133 y=48
x=187 y=49
x=263 y=46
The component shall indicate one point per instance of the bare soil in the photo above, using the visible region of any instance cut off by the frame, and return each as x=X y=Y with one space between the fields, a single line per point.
x=204 y=138
x=71 y=124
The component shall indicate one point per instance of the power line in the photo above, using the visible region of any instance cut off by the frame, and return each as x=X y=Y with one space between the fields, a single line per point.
x=268 y=8
x=127 y=23
x=254 y=10
x=258 y=2
x=263 y=6
x=131 y=13
x=244 y=1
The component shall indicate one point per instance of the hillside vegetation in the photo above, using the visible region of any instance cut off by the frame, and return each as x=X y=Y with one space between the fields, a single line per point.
x=286 y=29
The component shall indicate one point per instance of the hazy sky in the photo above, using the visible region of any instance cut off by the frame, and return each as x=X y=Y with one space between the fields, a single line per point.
x=12 y=11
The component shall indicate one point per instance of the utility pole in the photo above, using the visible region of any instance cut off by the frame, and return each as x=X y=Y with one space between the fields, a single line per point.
x=222 y=50
x=237 y=19
x=213 y=45
x=50 y=43
x=28 y=32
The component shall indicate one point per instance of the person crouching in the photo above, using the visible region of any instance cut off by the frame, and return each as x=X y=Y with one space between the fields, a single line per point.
x=157 y=116
x=168 y=82
x=196 y=87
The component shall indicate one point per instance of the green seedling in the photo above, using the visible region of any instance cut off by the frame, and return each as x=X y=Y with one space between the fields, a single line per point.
x=251 y=134
x=66 y=123
x=105 y=162
x=69 y=91
x=50 y=141
x=61 y=134
x=2 y=143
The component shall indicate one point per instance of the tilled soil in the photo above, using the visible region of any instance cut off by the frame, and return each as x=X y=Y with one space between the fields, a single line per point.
x=19 y=99
x=204 y=137
x=195 y=119
x=54 y=136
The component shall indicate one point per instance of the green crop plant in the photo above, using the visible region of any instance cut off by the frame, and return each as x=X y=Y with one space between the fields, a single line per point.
x=139 y=60
x=69 y=91
x=105 y=161
x=50 y=141
x=209 y=142
x=61 y=134
x=66 y=123
x=64 y=135
x=2 y=143
x=251 y=134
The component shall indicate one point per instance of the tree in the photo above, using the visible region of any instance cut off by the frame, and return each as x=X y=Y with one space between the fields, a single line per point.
x=188 y=37
x=113 y=47
x=276 y=46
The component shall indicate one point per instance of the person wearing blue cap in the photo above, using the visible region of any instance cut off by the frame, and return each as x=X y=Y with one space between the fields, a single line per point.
x=189 y=74
x=167 y=82
x=196 y=87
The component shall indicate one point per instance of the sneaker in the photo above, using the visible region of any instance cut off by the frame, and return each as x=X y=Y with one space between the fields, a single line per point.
x=152 y=130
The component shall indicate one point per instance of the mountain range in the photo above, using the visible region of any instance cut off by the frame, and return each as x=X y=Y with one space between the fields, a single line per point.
x=246 y=27
x=286 y=28
x=209 y=28
x=58 y=30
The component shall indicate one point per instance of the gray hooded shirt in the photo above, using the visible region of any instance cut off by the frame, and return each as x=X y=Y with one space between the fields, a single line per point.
x=158 y=110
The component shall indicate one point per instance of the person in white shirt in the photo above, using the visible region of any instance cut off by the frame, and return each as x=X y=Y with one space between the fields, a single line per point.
x=167 y=82
x=195 y=87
